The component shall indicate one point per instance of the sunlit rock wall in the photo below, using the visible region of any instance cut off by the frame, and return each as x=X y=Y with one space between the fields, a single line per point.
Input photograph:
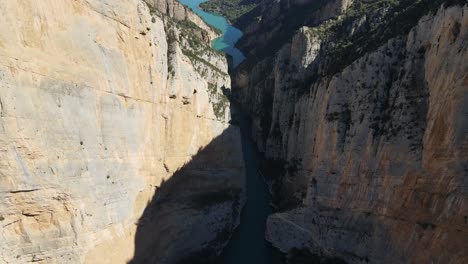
x=97 y=107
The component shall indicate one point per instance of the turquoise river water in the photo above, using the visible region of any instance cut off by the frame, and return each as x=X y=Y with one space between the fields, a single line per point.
x=247 y=244
x=230 y=34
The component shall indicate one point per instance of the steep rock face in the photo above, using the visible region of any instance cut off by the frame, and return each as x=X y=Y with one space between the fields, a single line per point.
x=176 y=10
x=374 y=155
x=100 y=103
x=274 y=21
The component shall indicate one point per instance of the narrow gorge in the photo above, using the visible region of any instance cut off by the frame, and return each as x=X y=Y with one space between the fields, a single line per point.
x=233 y=131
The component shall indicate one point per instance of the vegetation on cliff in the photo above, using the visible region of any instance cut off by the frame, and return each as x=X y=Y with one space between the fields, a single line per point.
x=274 y=33
x=230 y=9
x=368 y=25
x=373 y=79
x=195 y=44
x=362 y=28
x=219 y=101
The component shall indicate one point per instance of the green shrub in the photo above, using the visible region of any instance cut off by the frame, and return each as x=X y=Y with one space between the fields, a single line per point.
x=230 y=9
x=219 y=101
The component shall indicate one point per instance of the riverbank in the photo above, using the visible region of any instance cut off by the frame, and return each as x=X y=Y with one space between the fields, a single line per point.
x=230 y=35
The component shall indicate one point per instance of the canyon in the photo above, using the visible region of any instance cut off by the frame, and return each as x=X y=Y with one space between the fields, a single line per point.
x=127 y=135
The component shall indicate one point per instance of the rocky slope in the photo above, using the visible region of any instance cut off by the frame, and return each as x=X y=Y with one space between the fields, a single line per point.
x=365 y=117
x=102 y=105
x=272 y=23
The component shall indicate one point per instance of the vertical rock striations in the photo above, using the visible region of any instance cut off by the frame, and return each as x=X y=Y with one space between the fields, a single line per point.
x=367 y=116
x=101 y=103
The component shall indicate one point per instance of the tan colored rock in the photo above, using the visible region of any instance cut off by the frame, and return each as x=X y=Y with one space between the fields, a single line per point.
x=88 y=129
x=177 y=11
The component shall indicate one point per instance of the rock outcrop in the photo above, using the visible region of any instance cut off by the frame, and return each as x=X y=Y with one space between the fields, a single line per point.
x=177 y=11
x=368 y=129
x=271 y=23
x=102 y=104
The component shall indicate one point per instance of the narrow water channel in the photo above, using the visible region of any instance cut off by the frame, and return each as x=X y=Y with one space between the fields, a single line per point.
x=248 y=244
x=230 y=35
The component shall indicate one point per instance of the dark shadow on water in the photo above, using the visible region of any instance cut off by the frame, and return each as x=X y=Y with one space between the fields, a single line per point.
x=194 y=212
x=183 y=223
x=248 y=244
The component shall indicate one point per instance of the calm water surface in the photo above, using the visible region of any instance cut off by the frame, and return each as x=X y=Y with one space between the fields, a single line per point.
x=230 y=34
x=248 y=244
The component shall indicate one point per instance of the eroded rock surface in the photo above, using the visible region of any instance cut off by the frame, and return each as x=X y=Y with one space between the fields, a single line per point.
x=101 y=102
x=373 y=153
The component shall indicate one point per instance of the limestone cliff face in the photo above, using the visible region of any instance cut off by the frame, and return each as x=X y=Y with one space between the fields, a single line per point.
x=373 y=153
x=100 y=102
x=176 y=10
